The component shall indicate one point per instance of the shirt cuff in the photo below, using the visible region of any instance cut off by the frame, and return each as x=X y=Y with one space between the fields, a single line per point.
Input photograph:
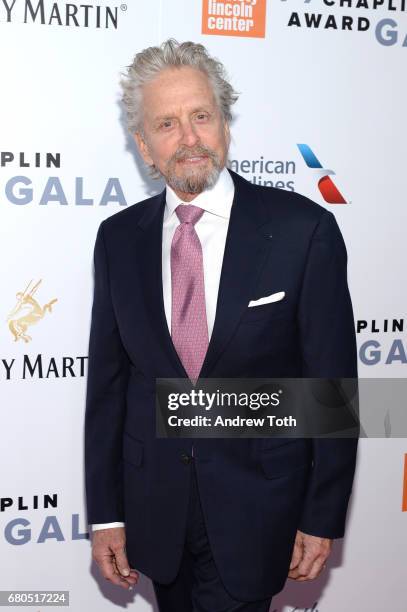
x=98 y=526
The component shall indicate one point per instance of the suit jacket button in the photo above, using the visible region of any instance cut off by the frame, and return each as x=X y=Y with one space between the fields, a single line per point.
x=185 y=458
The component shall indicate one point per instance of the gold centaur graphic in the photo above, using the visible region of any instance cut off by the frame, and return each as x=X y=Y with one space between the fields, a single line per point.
x=27 y=312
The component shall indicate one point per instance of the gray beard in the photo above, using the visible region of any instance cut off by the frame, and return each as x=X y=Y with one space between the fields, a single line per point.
x=198 y=180
x=194 y=184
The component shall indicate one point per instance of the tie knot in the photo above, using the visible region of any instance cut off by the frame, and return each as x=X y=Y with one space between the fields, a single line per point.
x=188 y=213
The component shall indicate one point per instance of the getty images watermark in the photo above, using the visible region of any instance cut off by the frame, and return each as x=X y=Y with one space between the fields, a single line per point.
x=210 y=400
x=281 y=407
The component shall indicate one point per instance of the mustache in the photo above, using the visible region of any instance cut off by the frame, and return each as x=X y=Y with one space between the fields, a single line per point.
x=183 y=153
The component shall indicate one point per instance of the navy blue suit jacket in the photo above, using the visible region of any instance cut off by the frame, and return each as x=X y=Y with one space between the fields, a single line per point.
x=255 y=493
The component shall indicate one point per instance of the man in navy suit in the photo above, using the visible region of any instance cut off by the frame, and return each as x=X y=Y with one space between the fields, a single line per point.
x=218 y=524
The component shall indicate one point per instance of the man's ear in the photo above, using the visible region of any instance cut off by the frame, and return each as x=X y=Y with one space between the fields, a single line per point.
x=143 y=148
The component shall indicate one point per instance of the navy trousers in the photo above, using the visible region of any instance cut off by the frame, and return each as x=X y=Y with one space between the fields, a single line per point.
x=198 y=587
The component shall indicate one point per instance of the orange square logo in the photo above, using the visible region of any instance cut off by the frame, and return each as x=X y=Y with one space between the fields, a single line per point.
x=234 y=18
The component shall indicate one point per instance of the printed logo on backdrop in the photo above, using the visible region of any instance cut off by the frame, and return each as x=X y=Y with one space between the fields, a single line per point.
x=68 y=14
x=245 y=18
x=326 y=186
x=386 y=343
x=38 y=529
x=27 y=312
x=385 y=19
x=23 y=189
x=278 y=173
x=30 y=310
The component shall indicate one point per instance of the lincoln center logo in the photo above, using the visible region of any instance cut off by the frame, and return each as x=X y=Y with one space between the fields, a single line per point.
x=27 y=312
x=234 y=18
x=326 y=186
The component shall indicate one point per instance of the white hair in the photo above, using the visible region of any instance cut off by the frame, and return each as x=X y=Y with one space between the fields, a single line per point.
x=151 y=61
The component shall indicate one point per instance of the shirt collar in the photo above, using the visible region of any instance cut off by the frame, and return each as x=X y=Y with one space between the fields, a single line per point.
x=217 y=200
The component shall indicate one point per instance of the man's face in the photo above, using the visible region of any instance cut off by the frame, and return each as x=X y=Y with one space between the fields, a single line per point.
x=184 y=134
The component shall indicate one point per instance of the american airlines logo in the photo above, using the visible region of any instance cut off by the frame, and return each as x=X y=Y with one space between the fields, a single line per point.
x=326 y=186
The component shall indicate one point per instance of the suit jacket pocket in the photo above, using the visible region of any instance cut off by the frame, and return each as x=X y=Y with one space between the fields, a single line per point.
x=132 y=450
x=265 y=311
x=287 y=458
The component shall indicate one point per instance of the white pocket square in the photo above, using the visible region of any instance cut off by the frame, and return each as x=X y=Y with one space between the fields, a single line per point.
x=274 y=297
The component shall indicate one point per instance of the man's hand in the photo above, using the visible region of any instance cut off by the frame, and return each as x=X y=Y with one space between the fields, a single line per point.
x=108 y=550
x=309 y=556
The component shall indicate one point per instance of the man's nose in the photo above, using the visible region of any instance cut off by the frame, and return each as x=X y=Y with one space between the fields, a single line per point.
x=189 y=137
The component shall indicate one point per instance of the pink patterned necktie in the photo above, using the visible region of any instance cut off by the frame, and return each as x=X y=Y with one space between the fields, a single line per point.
x=189 y=328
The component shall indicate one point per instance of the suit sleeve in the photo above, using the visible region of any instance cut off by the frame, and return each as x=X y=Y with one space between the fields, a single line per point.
x=108 y=371
x=328 y=345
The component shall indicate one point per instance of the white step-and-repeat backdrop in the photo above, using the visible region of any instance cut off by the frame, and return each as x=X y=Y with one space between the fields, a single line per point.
x=321 y=112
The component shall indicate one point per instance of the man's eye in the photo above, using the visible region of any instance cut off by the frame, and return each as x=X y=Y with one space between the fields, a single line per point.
x=166 y=124
x=202 y=116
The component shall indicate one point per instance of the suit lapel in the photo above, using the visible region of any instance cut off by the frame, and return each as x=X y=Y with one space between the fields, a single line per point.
x=149 y=253
x=247 y=246
x=246 y=250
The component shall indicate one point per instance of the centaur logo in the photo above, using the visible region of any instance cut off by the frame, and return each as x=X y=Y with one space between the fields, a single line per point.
x=45 y=12
x=234 y=18
x=27 y=312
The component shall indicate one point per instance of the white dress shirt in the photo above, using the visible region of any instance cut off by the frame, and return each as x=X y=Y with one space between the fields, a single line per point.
x=211 y=228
